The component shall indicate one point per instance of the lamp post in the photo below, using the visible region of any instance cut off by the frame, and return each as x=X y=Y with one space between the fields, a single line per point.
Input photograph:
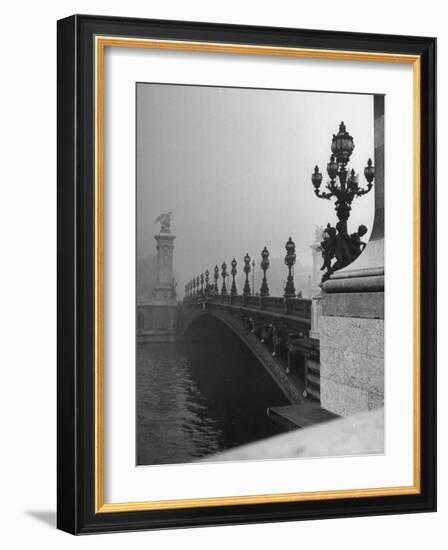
x=224 y=275
x=207 y=281
x=264 y=290
x=253 y=277
x=246 y=289
x=290 y=260
x=233 y=290
x=347 y=189
x=216 y=277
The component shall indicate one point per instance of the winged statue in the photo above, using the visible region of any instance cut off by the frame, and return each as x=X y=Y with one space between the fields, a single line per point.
x=165 y=221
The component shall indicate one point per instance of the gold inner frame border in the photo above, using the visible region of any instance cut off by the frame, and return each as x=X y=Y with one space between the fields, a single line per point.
x=100 y=44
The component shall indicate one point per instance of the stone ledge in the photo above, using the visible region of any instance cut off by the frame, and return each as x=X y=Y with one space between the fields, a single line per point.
x=361 y=434
x=374 y=283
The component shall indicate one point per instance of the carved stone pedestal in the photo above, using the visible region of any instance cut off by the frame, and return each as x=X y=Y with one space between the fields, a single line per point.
x=157 y=321
x=164 y=291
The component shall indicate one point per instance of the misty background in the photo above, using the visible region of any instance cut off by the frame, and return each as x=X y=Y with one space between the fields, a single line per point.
x=234 y=166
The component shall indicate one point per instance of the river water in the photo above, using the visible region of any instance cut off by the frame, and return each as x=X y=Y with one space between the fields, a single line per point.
x=199 y=397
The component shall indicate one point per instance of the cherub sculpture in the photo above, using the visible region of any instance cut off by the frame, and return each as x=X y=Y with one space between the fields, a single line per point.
x=165 y=221
x=356 y=243
x=328 y=247
x=340 y=246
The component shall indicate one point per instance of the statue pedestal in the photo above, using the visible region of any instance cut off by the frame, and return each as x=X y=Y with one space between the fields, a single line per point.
x=157 y=321
x=164 y=291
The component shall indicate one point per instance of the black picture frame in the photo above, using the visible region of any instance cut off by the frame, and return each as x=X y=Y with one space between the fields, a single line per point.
x=76 y=286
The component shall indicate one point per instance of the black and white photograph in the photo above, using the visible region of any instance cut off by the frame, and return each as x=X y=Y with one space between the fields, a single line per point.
x=259 y=274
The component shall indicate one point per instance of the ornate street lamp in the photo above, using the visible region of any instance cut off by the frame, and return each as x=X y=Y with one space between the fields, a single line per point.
x=233 y=290
x=224 y=275
x=290 y=260
x=216 y=277
x=264 y=290
x=207 y=281
x=253 y=277
x=246 y=289
x=342 y=147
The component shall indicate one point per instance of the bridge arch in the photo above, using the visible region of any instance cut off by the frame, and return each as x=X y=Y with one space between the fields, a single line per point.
x=290 y=388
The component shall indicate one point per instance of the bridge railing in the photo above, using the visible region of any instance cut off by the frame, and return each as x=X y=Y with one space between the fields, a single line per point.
x=297 y=307
x=252 y=301
x=273 y=303
x=237 y=300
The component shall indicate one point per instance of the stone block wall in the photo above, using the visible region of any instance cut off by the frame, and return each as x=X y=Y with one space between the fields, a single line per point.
x=352 y=364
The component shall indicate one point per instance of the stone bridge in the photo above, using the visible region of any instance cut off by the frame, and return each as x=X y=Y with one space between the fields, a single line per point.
x=275 y=329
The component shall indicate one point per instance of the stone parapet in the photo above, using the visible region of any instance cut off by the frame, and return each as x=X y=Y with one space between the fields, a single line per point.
x=358 y=435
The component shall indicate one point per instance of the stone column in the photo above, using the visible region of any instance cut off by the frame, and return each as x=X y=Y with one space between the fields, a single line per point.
x=157 y=321
x=352 y=322
x=163 y=290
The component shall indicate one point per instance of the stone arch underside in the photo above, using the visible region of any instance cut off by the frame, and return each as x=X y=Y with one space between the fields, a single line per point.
x=291 y=389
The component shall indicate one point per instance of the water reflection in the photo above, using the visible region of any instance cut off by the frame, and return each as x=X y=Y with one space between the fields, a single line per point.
x=199 y=397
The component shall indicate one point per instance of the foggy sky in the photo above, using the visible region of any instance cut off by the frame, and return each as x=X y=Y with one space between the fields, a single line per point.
x=234 y=166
